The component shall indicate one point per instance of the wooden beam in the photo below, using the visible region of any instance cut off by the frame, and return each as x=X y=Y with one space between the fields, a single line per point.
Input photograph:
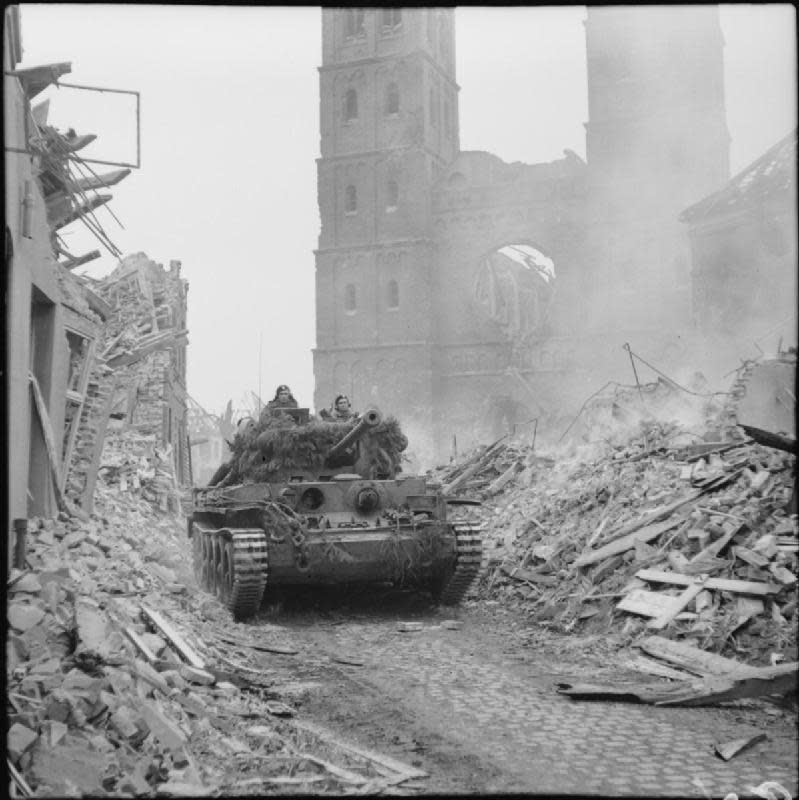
x=722 y=584
x=640 y=534
x=49 y=439
x=177 y=641
x=678 y=604
x=693 y=659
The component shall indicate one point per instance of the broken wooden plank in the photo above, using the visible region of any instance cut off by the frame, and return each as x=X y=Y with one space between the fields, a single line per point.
x=728 y=750
x=708 y=691
x=521 y=574
x=678 y=604
x=176 y=640
x=621 y=545
x=140 y=644
x=49 y=439
x=345 y=775
x=648 y=692
x=720 y=584
x=714 y=548
x=652 y=667
x=647 y=604
x=504 y=478
x=693 y=659
x=750 y=556
x=777 y=680
x=378 y=760
x=770 y=439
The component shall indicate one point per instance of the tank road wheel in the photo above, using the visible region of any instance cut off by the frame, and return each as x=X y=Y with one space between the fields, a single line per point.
x=226 y=571
x=469 y=548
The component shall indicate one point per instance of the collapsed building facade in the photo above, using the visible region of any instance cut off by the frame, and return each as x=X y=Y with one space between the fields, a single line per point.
x=471 y=295
x=74 y=344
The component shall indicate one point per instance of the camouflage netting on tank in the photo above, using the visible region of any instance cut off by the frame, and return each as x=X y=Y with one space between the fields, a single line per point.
x=289 y=446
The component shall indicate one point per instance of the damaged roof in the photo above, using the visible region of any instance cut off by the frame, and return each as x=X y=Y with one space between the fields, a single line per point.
x=773 y=174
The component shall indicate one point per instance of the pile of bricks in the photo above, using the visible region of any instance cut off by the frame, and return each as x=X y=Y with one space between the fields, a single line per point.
x=604 y=537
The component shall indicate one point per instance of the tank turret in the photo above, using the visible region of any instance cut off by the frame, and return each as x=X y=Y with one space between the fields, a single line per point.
x=370 y=419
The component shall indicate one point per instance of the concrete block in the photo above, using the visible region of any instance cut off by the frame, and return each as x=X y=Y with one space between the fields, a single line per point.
x=19 y=739
x=23 y=616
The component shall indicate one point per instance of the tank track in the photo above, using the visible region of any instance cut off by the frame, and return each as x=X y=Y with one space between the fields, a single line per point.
x=469 y=556
x=233 y=566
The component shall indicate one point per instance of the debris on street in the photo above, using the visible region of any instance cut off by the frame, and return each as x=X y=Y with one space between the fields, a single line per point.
x=670 y=519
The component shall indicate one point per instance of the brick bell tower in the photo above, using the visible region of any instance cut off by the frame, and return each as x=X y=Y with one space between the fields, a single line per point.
x=389 y=124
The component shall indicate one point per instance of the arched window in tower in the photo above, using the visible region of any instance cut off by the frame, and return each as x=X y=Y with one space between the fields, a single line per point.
x=392 y=298
x=391 y=19
x=350 y=105
x=447 y=119
x=433 y=108
x=350 y=299
x=392 y=99
x=392 y=196
x=354 y=23
x=351 y=200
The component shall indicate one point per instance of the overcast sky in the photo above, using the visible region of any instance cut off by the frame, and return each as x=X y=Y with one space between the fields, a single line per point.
x=230 y=134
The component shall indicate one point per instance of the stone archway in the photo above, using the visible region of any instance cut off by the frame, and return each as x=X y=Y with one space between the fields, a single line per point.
x=514 y=286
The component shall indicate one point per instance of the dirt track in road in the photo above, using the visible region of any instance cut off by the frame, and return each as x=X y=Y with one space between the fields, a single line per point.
x=477 y=708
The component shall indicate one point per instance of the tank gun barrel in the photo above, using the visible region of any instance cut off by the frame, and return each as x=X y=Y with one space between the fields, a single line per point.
x=370 y=418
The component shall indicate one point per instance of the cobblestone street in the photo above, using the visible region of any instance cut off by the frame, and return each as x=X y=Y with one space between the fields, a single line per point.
x=497 y=705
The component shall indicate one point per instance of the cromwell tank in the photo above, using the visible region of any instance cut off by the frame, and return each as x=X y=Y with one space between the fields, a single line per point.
x=311 y=502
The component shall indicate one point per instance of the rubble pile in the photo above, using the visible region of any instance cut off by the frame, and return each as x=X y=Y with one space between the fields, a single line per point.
x=106 y=694
x=654 y=527
x=134 y=463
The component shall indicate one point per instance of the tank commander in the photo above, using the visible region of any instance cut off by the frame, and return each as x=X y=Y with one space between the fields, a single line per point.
x=283 y=399
x=341 y=409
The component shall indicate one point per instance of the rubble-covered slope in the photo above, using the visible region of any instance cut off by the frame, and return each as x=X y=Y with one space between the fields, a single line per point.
x=579 y=536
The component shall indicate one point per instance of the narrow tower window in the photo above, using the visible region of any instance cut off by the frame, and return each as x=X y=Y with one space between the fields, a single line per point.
x=433 y=109
x=350 y=105
x=392 y=99
x=393 y=294
x=392 y=19
x=354 y=22
x=392 y=196
x=447 y=118
x=351 y=200
x=350 y=300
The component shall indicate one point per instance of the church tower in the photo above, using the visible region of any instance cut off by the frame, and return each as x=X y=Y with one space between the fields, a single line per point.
x=389 y=124
x=656 y=142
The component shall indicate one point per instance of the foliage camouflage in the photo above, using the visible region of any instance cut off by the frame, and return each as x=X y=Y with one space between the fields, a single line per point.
x=305 y=447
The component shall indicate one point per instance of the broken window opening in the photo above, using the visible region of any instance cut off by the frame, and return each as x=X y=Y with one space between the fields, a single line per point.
x=351 y=200
x=354 y=23
x=514 y=288
x=78 y=350
x=350 y=299
x=391 y=19
x=392 y=99
x=350 y=105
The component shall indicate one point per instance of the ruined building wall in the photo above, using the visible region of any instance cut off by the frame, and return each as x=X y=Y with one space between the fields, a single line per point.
x=138 y=378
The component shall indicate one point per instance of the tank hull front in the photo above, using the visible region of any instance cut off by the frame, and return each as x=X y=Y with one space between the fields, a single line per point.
x=406 y=555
